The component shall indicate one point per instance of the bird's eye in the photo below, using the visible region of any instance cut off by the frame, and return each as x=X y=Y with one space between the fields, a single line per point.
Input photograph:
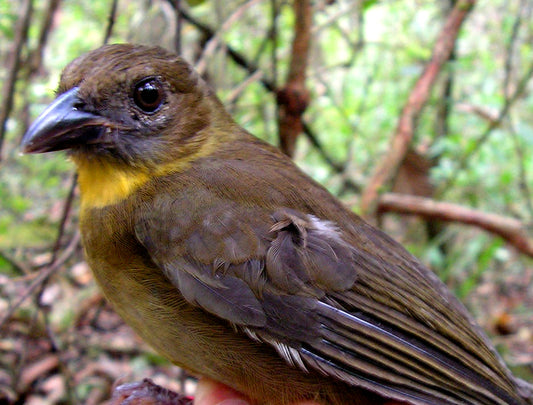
x=148 y=94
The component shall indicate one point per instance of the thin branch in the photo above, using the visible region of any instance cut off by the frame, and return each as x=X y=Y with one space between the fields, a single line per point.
x=18 y=267
x=401 y=140
x=32 y=64
x=443 y=109
x=351 y=9
x=237 y=91
x=510 y=229
x=489 y=115
x=274 y=35
x=179 y=26
x=64 y=216
x=36 y=59
x=43 y=276
x=525 y=6
x=523 y=183
x=251 y=68
x=235 y=55
x=215 y=40
x=493 y=124
x=293 y=98
x=110 y=21
x=313 y=138
x=8 y=91
x=493 y=119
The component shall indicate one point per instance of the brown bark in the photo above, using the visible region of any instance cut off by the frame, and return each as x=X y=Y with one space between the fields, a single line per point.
x=294 y=97
x=401 y=140
x=511 y=230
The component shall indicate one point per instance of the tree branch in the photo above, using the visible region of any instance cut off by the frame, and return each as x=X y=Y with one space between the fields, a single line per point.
x=215 y=38
x=36 y=57
x=493 y=123
x=269 y=85
x=8 y=91
x=110 y=21
x=293 y=98
x=401 y=140
x=510 y=229
x=44 y=274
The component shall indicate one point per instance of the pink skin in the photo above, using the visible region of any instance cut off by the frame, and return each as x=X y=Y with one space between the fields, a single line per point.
x=209 y=392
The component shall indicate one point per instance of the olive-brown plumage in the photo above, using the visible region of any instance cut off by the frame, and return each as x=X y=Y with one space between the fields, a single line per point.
x=234 y=264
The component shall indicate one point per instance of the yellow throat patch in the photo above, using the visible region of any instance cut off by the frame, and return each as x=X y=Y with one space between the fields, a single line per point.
x=103 y=183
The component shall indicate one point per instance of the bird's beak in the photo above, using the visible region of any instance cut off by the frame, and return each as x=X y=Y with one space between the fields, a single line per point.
x=62 y=125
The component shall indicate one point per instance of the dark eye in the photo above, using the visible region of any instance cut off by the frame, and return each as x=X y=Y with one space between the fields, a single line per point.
x=148 y=94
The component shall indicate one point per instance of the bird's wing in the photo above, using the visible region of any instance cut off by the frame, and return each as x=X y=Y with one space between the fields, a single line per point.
x=291 y=280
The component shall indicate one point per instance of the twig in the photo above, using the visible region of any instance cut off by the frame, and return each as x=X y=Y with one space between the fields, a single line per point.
x=293 y=98
x=525 y=6
x=493 y=124
x=179 y=24
x=236 y=56
x=32 y=64
x=274 y=35
x=510 y=229
x=522 y=172
x=401 y=140
x=215 y=40
x=21 y=34
x=493 y=119
x=64 y=216
x=237 y=91
x=443 y=108
x=482 y=112
x=351 y=9
x=38 y=297
x=110 y=21
x=18 y=267
x=251 y=68
x=337 y=167
x=36 y=57
x=44 y=274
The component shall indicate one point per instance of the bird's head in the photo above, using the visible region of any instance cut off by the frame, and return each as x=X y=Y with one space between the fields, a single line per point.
x=129 y=105
x=126 y=114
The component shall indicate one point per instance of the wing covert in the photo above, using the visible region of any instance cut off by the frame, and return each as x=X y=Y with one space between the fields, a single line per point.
x=293 y=281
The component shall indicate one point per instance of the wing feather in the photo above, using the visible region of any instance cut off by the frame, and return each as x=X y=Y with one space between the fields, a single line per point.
x=292 y=280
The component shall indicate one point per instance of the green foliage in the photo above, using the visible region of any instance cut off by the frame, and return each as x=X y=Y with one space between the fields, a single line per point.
x=8 y=17
x=28 y=191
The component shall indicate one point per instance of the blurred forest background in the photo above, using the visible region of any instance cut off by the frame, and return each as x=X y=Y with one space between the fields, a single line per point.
x=416 y=113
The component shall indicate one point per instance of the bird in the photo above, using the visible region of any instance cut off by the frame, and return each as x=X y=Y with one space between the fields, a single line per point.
x=235 y=265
